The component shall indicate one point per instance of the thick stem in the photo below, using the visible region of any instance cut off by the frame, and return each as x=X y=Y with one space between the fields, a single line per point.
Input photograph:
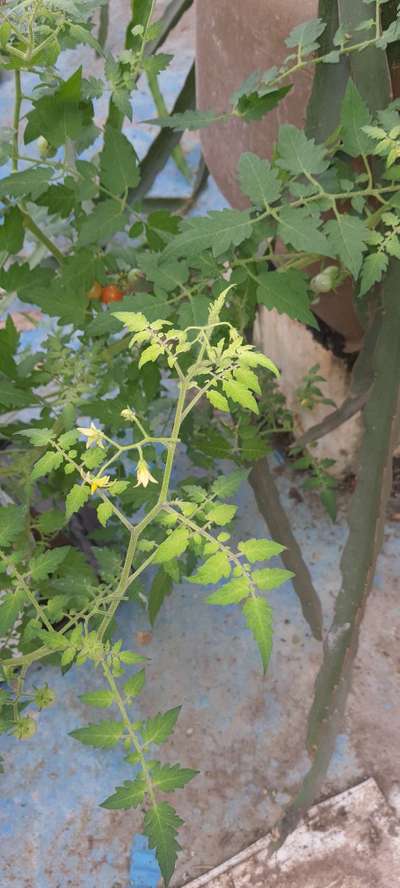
x=270 y=507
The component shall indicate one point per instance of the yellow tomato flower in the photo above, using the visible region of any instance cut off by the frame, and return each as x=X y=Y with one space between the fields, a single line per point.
x=143 y=474
x=103 y=481
x=93 y=435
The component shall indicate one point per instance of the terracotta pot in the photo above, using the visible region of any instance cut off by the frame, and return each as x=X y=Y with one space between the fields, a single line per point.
x=234 y=39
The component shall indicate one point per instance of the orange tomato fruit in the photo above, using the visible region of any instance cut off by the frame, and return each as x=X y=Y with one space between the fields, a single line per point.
x=111 y=293
x=95 y=291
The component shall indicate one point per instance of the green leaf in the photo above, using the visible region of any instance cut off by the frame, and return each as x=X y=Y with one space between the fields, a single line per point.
x=240 y=394
x=214 y=569
x=30 y=182
x=231 y=593
x=305 y=36
x=253 y=105
x=354 y=115
x=328 y=500
x=301 y=228
x=218 y=401
x=157 y=729
x=258 y=615
x=104 y=512
x=77 y=497
x=68 y=439
x=167 y=778
x=12 y=523
x=130 y=795
x=161 y=587
x=9 y=610
x=288 y=293
x=271 y=577
x=228 y=485
x=61 y=116
x=12 y=231
x=103 y=222
x=38 y=437
x=218 y=231
x=134 y=321
x=348 y=237
x=141 y=14
x=131 y=658
x=300 y=155
x=260 y=550
x=150 y=354
x=43 y=565
x=161 y=824
x=51 y=521
x=104 y=734
x=258 y=180
x=101 y=699
x=59 y=200
x=221 y=514
x=47 y=463
x=15 y=398
x=135 y=684
x=373 y=268
x=173 y=546
x=119 y=168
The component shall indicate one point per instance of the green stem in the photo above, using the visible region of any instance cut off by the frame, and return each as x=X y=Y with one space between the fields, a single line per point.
x=162 y=110
x=173 y=445
x=37 y=232
x=132 y=735
x=17 y=112
x=123 y=582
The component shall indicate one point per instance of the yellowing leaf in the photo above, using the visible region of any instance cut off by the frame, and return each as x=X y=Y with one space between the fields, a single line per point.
x=260 y=550
x=231 y=593
x=240 y=394
x=214 y=569
x=258 y=616
x=218 y=400
x=271 y=577
x=173 y=546
x=221 y=514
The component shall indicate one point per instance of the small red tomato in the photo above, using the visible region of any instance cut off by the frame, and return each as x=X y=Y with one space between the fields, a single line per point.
x=95 y=291
x=111 y=293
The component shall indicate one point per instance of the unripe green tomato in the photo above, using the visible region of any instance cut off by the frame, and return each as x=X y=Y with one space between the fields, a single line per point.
x=45 y=149
x=326 y=280
x=133 y=275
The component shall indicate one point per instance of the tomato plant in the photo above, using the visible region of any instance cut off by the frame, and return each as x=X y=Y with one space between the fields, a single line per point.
x=103 y=431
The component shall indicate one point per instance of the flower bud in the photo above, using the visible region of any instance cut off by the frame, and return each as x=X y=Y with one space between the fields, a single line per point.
x=24 y=728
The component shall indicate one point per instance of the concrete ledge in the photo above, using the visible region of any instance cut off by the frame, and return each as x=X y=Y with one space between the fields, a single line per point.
x=349 y=841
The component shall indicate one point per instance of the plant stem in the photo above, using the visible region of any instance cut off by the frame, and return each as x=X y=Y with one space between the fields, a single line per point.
x=127 y=722
x=31 y=226
x=123 y=582
x=173 y=445
x=17 y=112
